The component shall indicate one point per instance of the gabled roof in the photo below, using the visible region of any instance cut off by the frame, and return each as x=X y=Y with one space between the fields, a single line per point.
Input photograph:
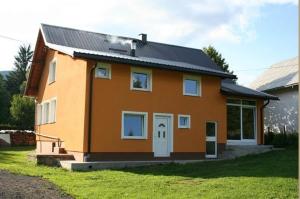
x=231 y=89
x=98 y=46
x=279 y=75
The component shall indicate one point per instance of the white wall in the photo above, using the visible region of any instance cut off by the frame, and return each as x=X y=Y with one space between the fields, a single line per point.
x=283 y=112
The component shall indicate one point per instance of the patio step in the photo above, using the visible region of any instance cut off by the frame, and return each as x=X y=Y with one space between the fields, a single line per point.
x=52 y=159
x=234 y=151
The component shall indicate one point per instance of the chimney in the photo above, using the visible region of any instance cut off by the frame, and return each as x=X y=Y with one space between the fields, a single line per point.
x=133 y=48
x=144 y=38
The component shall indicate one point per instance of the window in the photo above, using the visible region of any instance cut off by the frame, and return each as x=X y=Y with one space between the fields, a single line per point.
x=45 y=116
x=241 y=119
x=46 y=112
x=134 y=125
x=52 y=112
x=141 y=79
x=184 y=121
x=191 y=86
x=211 y=139
x=38 y=114
x=52 y=72
x=103 y=70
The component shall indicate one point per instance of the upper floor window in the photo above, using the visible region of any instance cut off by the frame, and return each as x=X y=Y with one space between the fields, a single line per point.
x=141 y=79
x=52 y=72
x=103 y=70
x=191 y=86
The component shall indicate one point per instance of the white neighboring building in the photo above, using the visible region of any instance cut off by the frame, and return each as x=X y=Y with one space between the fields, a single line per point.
x=281 y=80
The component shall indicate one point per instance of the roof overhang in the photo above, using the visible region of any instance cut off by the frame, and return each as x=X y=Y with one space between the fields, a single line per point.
x=231 y=91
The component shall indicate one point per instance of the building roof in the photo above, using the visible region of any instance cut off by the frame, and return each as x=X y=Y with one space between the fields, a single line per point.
x=98 y=46
x=104 y=47
x=279 y=75
x=231 y=89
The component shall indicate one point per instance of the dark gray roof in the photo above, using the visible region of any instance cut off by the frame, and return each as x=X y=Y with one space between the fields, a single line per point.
x=117 y=48
x=232 y=89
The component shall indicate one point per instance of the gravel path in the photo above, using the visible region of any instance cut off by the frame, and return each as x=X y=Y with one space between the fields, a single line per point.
x=14 y=186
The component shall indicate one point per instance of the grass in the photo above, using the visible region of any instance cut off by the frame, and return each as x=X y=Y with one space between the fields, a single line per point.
x=269 y=175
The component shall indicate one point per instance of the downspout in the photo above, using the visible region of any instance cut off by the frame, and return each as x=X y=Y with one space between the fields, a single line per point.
x=89 y=138
x=262 y=121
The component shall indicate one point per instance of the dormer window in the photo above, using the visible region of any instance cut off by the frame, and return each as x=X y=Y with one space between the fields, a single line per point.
x=103 y=70
x=52 y=72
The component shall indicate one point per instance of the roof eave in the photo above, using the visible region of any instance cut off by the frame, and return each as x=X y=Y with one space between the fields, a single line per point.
x=224 y=92
x=148 y=64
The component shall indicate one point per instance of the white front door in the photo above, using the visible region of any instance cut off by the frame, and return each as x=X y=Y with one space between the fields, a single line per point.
x=161 y=135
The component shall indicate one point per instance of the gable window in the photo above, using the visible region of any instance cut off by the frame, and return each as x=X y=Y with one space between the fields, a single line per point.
x=141 y=79
x=134 y=125
x=103 y=70
x=184 y=121
x=191 y=86
x=52 y=72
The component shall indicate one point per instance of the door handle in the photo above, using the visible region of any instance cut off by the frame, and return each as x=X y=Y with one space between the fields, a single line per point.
x=164 y=134
x=159 y=134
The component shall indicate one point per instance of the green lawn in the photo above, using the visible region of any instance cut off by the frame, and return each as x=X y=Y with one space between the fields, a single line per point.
x=269 y=175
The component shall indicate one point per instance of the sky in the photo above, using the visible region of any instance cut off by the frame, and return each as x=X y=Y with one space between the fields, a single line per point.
x=251 y=35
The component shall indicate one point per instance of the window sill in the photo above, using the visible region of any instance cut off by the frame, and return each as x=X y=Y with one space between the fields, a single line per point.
x=181 y=127
x=49 y=83
x=133 y=138
x=192 y=95
x=103 y=78
x=140 y=89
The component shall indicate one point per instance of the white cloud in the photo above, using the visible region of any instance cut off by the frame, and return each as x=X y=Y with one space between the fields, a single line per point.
x=194 y=23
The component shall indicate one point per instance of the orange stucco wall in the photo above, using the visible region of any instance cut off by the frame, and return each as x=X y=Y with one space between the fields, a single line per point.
x=70 y=91
x=111 y=97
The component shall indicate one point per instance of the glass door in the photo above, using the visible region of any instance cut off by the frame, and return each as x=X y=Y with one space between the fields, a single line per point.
x=211 y=140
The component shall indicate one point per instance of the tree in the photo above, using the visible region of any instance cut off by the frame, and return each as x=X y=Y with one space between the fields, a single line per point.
x=217 y=58
x=17 y=77
x=22 y=112
x=4 y=102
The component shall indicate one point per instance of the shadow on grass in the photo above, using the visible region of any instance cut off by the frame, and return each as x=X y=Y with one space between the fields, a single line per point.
x=272 y=164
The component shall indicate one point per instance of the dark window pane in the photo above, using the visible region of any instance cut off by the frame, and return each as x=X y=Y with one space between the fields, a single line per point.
x=234 y=101
x=210 y=148
x=101 y=72
x=233 y=123
x=210 y=129
x=183 y=121
x=248 y=102
x=140 y=80
x=248 y=123
x=133 y=125
x=191 y=86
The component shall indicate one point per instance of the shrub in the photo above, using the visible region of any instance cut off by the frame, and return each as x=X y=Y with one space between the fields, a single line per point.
x=8 y=127
x=282 y=139
x=22 y=112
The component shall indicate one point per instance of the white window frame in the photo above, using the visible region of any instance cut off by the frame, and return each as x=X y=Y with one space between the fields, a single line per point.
x=145 y=130
x=195 y=78
x=241 y=106
x=51 y=113
x=104 y=66
x=39 y=112
x=144 y=71
x=212 y=139
x=50 y=74
x=188 y=126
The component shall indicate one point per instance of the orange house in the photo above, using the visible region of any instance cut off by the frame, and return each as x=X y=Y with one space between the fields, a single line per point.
x=103 y=97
